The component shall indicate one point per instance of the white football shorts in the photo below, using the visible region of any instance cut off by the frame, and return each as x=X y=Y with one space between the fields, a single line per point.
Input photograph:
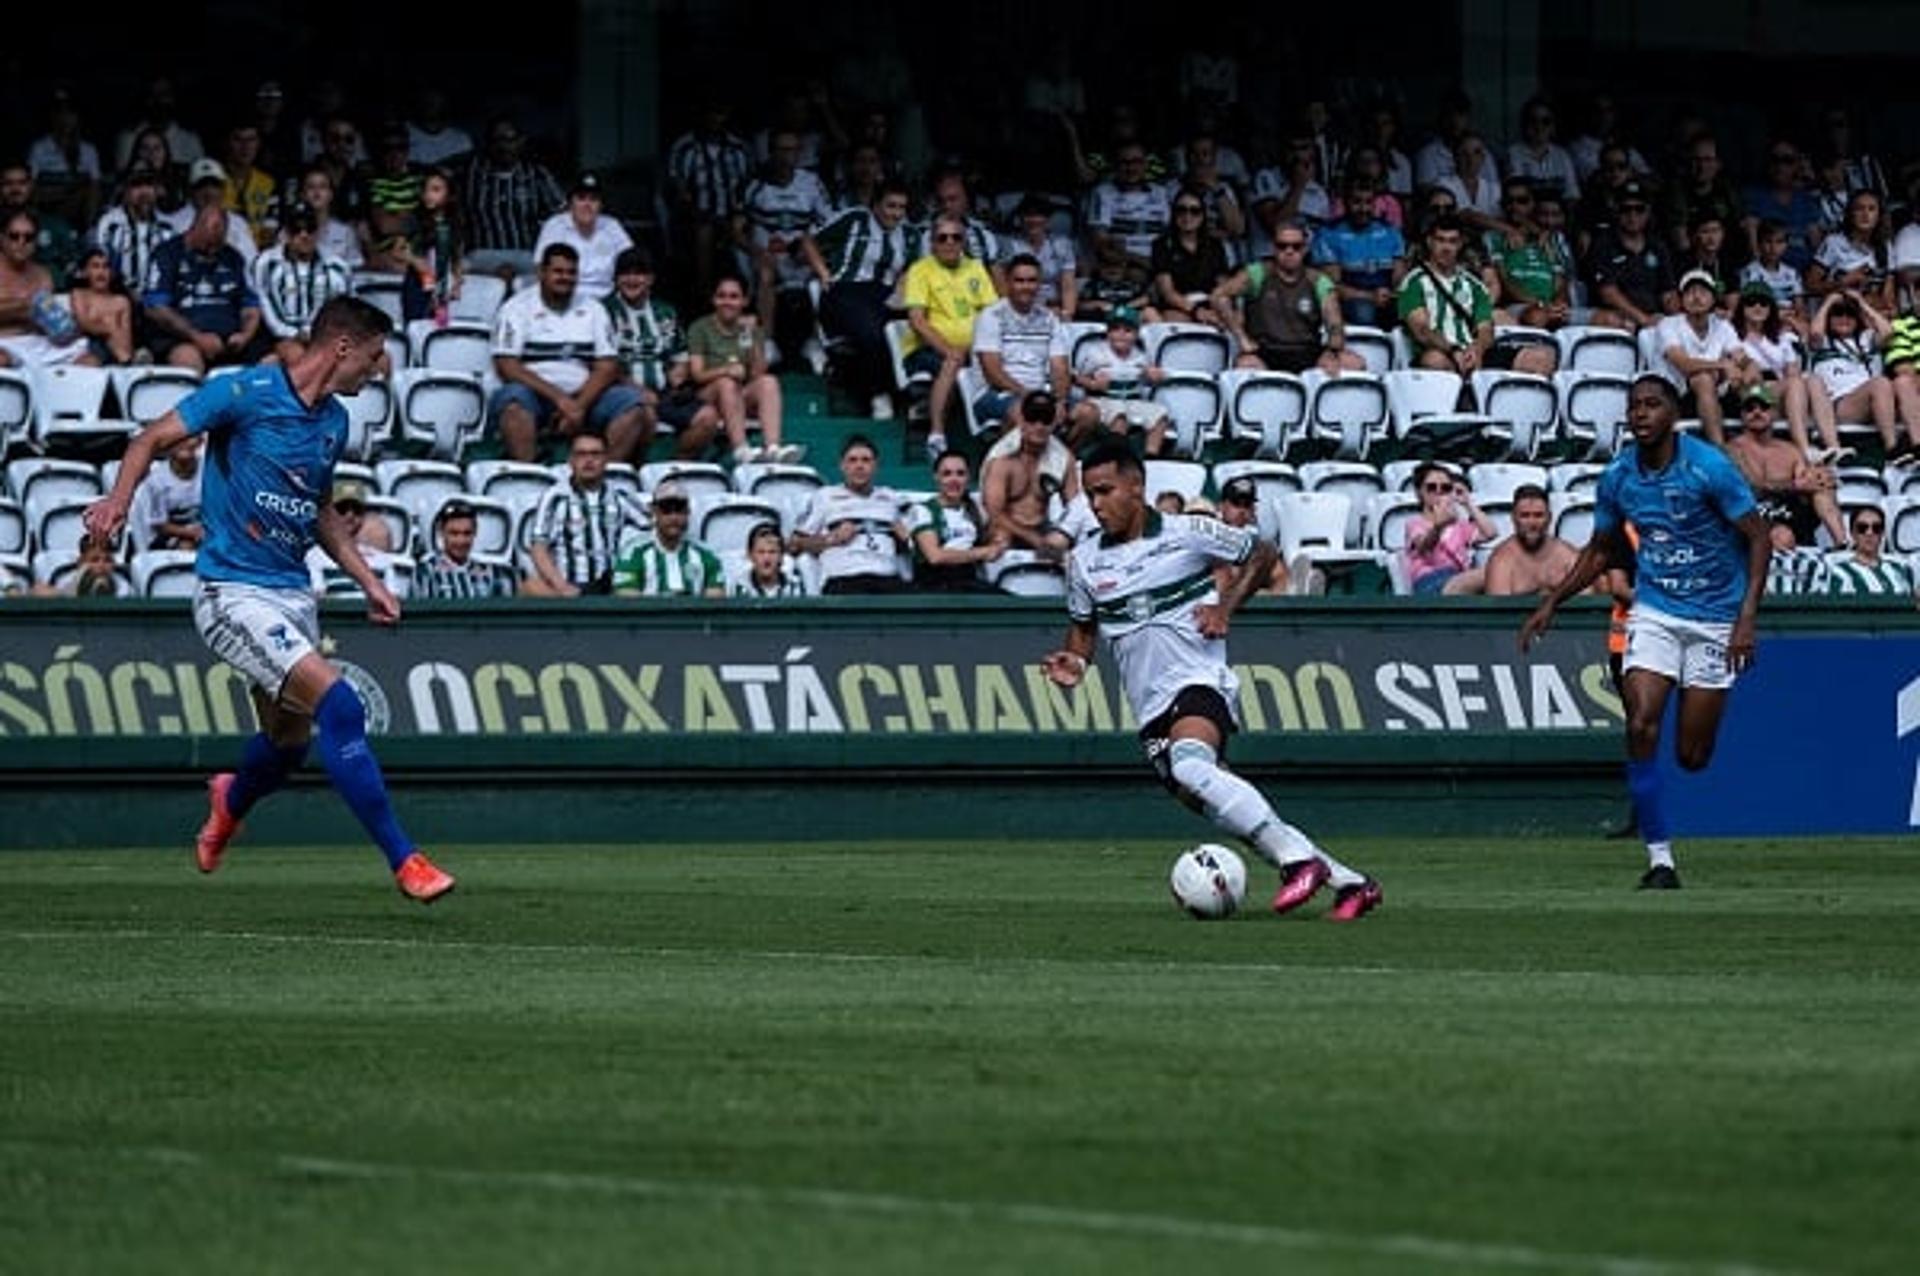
x=259 y=631
x=1692 y=653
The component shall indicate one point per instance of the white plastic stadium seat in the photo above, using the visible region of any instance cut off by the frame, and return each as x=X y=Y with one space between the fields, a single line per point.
x=1608 y=350
x=1192 y=404
x=1524 y=409
x=1350 y=411
x=1268 y=407
x=1356 y=480
x=726 y=521
x=163 y=573
x=1187 y=347
x=15 y=541
x=53 y=567
x=1313 y=526
x=1375 y=346
x=1428 y=397
x=1903 y=523
x=33 y=474
x=445 y=410
x=420 y=487
x=1188 y=478
x=479 y=299
x=1083 y=335
x=69 y=405
x=1388 y=515
x=1497 y=480
x=57 y=523
x=697 y=477
x=16 y=407
x=1593 y=412
x=147 y=394
x=369 y=418
x=1025 y=573
x=789 y=487
x=516 y=484
x=897 y=331
x=1575 y=477
x=382 y=290
x=456 y=347
x=1572 y=517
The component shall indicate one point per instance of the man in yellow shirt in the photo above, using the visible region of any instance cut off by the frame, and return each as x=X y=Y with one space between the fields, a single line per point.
x=944 y=294
x=249 y=192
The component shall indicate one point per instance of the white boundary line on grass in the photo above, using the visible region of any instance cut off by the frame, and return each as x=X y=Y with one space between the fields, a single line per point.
x=136 y=934
x=886 y=1205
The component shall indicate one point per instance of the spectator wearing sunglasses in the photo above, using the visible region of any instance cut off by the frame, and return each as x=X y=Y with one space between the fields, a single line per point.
x=669 y=563
x=1793 y=495
x=944 y=293
x=1292 y=320
x=1866 y=569
x=1533 y=280
x=1189 y=261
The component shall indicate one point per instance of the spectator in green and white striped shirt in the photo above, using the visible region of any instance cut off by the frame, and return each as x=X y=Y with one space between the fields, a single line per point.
x=767 y=572
x=1866 y=570
x=454 y=572
x=668 y=564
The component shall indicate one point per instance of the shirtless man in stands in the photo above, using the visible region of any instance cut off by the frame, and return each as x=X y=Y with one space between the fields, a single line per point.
x=1791 y=493
x=1023 y=469
x=1532 y=560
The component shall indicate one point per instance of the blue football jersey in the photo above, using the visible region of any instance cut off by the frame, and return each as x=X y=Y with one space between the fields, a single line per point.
x=269 y=465
x=1692 y=561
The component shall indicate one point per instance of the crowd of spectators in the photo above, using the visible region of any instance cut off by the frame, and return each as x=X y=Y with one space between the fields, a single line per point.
x=1790 y=290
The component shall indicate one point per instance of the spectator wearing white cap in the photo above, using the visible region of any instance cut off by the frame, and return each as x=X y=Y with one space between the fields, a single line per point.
x=1705 y=356
x=207 y=187
x=669 y=563
x=583 y=226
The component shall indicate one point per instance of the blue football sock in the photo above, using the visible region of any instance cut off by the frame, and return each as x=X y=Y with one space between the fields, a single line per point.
x=355 y=773
x=263 y=769
x=1649 y=799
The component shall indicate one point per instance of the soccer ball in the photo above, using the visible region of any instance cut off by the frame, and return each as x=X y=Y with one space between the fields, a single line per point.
x=1209 y=881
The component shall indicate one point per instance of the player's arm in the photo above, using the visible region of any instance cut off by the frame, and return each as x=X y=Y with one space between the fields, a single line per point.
x=106 y=516
x=1605 y=550
x=330 y=530
x=1067 y=665
x=1740 y=646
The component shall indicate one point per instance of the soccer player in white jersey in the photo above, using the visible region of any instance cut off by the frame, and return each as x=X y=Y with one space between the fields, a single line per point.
x=273 y=437
x=1147 y=585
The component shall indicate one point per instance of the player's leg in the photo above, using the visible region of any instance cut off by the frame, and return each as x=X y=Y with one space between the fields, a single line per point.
x=273 y=753
x=1193 y=770
x=1697 y=728
x=316 y=690
x=1645 y=692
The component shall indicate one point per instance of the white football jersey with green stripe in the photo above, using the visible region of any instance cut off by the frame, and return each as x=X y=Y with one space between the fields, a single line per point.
x=1143 y=593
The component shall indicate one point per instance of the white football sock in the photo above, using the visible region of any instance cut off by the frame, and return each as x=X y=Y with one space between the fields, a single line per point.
x=1660 y=854
x=1238 y=807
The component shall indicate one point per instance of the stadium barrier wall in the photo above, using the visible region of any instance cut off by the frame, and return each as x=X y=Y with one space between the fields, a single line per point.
x=610 y=720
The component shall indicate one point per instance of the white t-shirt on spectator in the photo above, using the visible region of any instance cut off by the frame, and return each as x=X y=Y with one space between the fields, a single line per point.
x=597 y=253
x=1719 y=341
x=47 y=159
x=1135 y=216
x=1555 y=167
x=1906 y=247
x=1839 y=255
x=872 y=551
x=426 y=147
x=1126 y=376
x=1316 y=206
x=1774 y=356
x=1024 y=342
x=1432 y=162
x=1484 y=198
x=1783 y=279
x=558 y=346
x=1844 y=367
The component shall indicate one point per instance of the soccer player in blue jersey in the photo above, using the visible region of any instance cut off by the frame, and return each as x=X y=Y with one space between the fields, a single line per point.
x=1700 y=568
x=273 y=435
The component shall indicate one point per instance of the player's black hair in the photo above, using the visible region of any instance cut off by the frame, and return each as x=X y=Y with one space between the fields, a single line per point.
x=352 y=317
x=1660 y=383
x=1114 y=452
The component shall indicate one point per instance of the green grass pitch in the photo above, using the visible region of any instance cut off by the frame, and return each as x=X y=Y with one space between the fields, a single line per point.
x=964 y=1057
